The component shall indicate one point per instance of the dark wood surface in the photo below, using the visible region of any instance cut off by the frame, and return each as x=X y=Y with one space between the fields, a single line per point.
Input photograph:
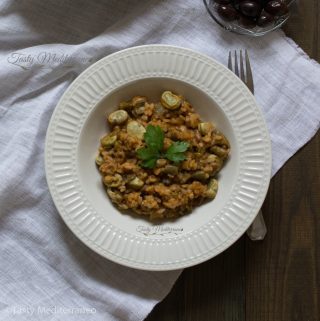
x=277 y=279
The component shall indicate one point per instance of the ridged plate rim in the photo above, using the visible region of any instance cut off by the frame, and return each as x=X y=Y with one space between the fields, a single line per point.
x=162 y=61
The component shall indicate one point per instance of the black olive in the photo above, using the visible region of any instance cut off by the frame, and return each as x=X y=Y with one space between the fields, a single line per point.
x=277 y=7
x=265 y=19
x=236 y=4
x=250 y=8
x=264 y=2
x=222 y=1
x=247 y=22
x=252 y=13
x=227 y=12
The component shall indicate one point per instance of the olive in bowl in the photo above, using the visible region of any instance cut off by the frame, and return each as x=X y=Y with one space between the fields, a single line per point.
x=251 y=17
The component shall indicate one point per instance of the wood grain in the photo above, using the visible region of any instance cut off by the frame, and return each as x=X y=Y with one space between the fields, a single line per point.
x=214 y=290
x=283 y=273
x=279 y=278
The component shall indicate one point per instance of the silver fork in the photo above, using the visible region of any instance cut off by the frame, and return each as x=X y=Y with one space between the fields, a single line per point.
x=257 y=231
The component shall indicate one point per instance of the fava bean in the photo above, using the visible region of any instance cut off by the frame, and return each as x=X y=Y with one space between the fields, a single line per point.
x=118 y=117
x=200 y=176
x=219 y=151
x=212 y=188
x=127 y=105
x=170 y=100
x=135 y=129
x=99 y=160
x=136 y=183
x=108 y=141
x=171 y=170
x=138 y=101
x=138 y=111
x=205 y=128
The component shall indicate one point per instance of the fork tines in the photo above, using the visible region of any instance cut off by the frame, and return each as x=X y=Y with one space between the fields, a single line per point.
x=245 y=74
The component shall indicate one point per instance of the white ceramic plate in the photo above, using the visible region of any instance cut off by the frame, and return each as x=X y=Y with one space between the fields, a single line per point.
x=75 y=183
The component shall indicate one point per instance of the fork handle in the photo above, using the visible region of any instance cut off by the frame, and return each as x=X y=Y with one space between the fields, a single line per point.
x=257 y=230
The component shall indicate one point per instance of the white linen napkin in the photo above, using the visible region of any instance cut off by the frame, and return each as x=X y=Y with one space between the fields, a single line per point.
x=46 y=273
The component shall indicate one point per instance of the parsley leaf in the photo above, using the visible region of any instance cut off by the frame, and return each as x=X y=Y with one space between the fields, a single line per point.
x=147 y=153
x=154 y=138
x=149 y=156
x=150 y=163
x=176 y=150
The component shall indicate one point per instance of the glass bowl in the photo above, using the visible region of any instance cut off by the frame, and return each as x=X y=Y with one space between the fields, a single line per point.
x=234 y=26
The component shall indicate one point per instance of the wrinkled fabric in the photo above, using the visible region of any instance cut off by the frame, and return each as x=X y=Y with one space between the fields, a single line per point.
x=46 y=273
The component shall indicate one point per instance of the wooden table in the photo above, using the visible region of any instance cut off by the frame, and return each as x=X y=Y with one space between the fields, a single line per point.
x=277 y=279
